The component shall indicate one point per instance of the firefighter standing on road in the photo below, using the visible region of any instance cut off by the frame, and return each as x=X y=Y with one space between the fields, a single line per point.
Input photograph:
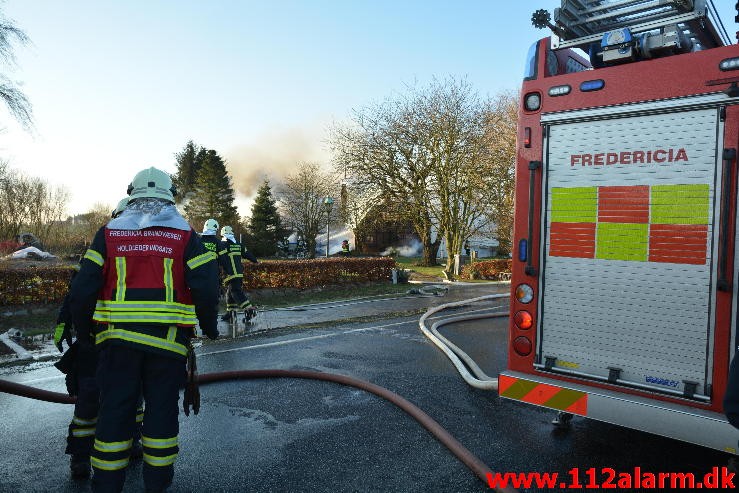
x=146 y=280
x=230 y=256
x=209 y=236
x=78 y=364
x=210 y=240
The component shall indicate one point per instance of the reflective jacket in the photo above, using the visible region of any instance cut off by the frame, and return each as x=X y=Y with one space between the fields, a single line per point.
x=210 y=242
x=230 y=259
x=147 y=288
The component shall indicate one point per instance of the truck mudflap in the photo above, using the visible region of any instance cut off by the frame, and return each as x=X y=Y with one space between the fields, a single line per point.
x=680 y=422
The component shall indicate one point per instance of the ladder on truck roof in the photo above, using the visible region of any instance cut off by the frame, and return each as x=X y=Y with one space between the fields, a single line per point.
x=580 y=23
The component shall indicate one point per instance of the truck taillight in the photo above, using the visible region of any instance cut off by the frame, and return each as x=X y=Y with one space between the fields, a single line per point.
x=523 y=319
x=524 y=293
x=527 y=137
x=522 y=346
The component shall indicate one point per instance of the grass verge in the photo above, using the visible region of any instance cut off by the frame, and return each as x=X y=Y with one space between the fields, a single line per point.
x=411 y=263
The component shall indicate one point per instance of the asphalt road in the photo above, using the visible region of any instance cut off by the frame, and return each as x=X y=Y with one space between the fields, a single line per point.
x=287 y=435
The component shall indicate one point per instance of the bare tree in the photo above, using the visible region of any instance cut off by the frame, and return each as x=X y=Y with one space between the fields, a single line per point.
x=501 y=119
x=381 y=149
x=357 y=202
x=29 y=202
x=96 y=216
x=48 y=206
x=439 y=152
x=452 y=118
x=302 y=202
x=10 y=93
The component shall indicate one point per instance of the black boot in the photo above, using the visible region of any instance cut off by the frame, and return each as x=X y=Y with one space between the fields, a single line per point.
x=79 y=466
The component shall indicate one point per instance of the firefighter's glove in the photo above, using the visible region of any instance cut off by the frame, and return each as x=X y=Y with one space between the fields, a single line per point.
x=191 y=398
x=192 y=392
x=85 y=338
x=70 y=380
x=62 y=333
x=68 y=364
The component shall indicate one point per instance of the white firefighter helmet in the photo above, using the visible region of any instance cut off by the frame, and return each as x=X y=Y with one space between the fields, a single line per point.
x=120 y=207
x=227 y=230
x=210 y=225
x=151 y=183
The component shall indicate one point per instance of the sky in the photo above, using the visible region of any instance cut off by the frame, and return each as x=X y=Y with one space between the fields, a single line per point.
x=117 y=86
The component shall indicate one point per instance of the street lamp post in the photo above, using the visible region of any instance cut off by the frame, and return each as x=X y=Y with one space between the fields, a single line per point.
x=328 y=202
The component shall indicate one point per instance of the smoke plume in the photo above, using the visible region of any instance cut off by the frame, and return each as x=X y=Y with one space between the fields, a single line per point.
x=273 y=156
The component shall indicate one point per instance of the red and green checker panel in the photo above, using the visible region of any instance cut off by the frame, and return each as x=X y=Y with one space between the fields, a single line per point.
x=642 y=223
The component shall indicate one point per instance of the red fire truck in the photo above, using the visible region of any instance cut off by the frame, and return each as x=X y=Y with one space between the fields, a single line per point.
x=625 y=272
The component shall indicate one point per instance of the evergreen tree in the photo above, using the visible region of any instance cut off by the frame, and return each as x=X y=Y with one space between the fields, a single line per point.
x=264 y=228
x=189 y=161
x=213 y=193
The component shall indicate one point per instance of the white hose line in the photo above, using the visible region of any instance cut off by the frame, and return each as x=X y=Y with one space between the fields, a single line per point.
x=480 y=381
x=459 y=352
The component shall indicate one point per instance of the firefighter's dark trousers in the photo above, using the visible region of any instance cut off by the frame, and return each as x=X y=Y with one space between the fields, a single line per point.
x=236 y=299
x=82 y=428
x=122 y=373
x=81 y=433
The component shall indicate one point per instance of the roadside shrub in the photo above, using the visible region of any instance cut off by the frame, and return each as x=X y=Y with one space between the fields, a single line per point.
x=48 y=285
x=496 y=270
x=34 y=285
x=302 y=274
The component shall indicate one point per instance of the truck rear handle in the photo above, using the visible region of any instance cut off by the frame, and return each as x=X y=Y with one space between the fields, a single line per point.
x=729 y=158
x=530 y=270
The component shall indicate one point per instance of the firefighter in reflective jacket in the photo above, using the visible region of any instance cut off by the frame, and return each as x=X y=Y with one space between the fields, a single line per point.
x=230 y=254
x=78 y=364
x=144 y=283
x=209 y=236
x=210 y=240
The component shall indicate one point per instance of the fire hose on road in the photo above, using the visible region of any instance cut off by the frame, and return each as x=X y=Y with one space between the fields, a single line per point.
x=460 y=451
x=458 y=357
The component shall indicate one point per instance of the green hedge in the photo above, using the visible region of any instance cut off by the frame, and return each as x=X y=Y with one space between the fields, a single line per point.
x=31 y=285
